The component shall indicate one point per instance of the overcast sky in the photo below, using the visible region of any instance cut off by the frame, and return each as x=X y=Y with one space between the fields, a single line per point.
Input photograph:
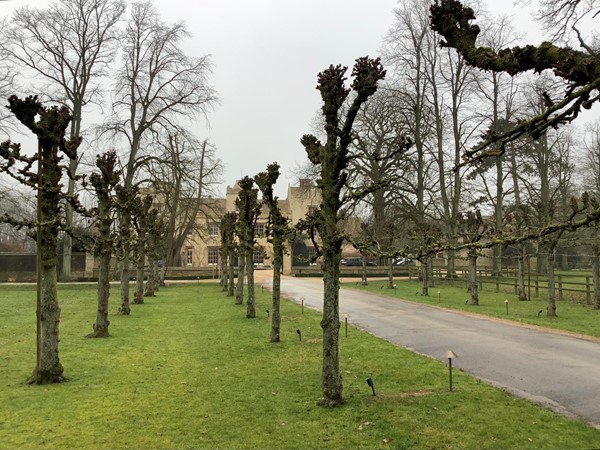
x=266 y=56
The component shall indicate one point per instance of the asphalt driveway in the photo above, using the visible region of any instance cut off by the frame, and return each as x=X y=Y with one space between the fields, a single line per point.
x=557 y=371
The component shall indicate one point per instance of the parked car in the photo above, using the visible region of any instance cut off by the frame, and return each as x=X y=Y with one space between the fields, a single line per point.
x=401 y=261
x=355 y=261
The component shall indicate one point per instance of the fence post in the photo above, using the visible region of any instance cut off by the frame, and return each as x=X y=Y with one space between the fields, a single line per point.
x=497 y=284
x=560 y=292
x=537 y=286
x=588 y=294
x=516 y=279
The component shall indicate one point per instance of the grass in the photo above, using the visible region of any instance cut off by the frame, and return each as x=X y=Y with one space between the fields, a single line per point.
x=572 y=317
x=188 y=370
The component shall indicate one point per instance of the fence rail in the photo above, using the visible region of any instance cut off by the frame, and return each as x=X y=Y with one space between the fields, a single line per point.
x=581 y=285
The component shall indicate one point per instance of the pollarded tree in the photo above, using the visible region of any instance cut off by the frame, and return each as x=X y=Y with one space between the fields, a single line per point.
x=249 y=208
x=228 y=247
x=104 y=183
x=49 y=125
x=142 y=223
x=332 y=157
x=68 y=46
x=278 y=230
x=156 y=249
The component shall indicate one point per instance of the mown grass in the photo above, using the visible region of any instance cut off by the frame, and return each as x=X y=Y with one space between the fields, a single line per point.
x=571 y=316
x=188 y=370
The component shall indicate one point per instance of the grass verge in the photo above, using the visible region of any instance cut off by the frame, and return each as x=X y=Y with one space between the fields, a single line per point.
x=571 y=317
x=188 y=370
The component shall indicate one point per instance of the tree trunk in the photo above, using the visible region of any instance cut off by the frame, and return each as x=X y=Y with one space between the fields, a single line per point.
x=275 y=307
x=125 y=228
x=224 y=272
x=473 y=288
x=125 y=309
x=239 y=292
x=330 y=324
x=101 y=326
x=364 y=281
x=67 y=239
x=138 y=297
x=231 y=285
x=430 y=279
x=551 y=284
x=151 y=283
x=390 y=284
x=425 y=278
x=49 y=369
x=250 y=309
x=521 y=273
x=451 y=266
x=156 y=272
x=596 y=272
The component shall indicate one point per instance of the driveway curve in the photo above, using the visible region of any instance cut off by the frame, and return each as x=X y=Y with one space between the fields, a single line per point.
x=556 y=371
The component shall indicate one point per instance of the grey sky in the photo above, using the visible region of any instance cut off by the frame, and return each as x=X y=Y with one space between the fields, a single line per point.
x=267 y=54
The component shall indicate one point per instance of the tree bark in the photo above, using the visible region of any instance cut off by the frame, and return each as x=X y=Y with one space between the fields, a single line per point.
x=425 y=278
x=101 y=326
x=231 y=284
x=390 y=278
x=239 y=292
x=250 y=304
x=330 y=324
x=521 y=274
x=551 y=284
x=473 y=288
x=138 y=297
x=596 y=270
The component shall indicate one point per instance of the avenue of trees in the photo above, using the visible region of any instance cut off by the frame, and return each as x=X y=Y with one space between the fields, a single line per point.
x=455 y=145
x=98 y=180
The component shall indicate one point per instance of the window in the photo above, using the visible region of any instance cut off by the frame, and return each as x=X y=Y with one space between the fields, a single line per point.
x=213 y=255
x=258 y=257
x=213 y=229
x=259 y=230
x=189 y=255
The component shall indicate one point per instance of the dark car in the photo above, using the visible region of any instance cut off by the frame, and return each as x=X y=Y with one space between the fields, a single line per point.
x=355 y=261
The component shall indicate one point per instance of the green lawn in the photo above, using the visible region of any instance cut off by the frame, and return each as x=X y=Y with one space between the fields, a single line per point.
x=188 y=370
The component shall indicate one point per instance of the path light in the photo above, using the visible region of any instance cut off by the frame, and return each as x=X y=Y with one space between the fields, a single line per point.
x=299 y=334
x=346 y=321
x=267 y=313
x=395 y=287
x=439 y=296
x=450 y=355
x=302 y=302
x=198 y=278
x=506 y=303
x=540 y=312
x=371 y=385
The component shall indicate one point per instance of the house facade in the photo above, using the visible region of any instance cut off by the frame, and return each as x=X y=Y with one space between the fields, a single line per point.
x=201 y=248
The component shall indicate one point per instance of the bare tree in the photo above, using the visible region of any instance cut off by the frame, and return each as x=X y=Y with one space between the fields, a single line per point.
x=68 y=46
x=471 y=229
x=184 y=176
x=157 y=85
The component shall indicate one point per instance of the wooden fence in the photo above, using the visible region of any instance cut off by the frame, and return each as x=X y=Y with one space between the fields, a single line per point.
x=568 y=286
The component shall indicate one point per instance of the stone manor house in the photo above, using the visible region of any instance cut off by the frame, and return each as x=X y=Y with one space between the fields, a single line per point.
x=201 y=249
